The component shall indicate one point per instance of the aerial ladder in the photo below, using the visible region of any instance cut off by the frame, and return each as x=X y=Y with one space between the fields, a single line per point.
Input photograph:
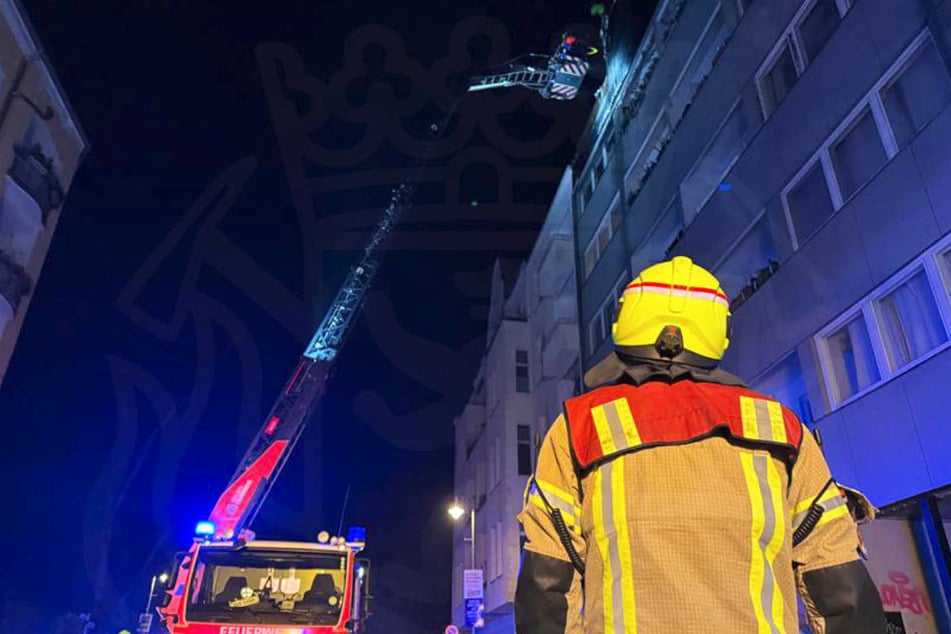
x=558 y=76
x=231 y=583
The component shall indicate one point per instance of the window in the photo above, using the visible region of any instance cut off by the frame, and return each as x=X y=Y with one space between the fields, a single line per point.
x=604 y=236
x=809 y=203
x=599 y=328
x=707 y=173
x=590 y=258
x=920 y=91
x=615 y=213
x=817 y=27
x=776 y=83
x=698 y=66
x=524 y=450
x=498 y=460
x=785 y=383
x=493 y=545
x=910 y=320
x=585 y=190
x=852 y=359
x=746 y=260
x=491 y=473
x=858 y=154
x=607 y=227
x=499 y=550
x=521 y=371
x=808 y=32
x=888 y=116
x=21 y=223
x=901 y=323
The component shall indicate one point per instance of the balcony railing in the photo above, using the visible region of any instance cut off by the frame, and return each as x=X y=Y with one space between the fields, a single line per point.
x=14 y=282
x=759 y=278
x=35 y=173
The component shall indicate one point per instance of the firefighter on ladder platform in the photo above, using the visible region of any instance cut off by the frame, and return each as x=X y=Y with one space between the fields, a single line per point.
x=673 y=499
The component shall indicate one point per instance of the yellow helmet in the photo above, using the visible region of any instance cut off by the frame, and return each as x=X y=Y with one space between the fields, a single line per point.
x=673 y=311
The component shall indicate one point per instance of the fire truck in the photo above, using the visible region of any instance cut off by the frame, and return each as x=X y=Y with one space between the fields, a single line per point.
x=229 y=582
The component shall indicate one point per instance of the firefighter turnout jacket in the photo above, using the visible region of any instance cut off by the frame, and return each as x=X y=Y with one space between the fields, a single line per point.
x=681 y=499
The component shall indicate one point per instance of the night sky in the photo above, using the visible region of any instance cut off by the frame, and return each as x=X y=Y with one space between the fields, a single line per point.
x=240 y=154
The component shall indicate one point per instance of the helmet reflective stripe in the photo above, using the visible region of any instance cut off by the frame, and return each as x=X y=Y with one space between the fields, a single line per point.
x=678 y=291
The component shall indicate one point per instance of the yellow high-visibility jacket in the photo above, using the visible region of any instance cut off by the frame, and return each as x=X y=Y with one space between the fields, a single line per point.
x=681 y=500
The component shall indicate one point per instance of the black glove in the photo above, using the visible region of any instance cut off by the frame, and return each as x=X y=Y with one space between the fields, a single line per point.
x=846 y=598
x=541 y=603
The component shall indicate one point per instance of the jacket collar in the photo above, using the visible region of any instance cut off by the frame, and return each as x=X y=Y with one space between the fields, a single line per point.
x=612 y=369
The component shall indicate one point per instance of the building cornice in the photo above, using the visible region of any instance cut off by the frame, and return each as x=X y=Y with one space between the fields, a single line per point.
x=15 y=17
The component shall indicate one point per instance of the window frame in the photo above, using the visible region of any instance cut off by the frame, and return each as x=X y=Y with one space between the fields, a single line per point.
x=872 y=101
x=785 y=41
x=614 y=294
x=528 y=373
x=594 y=243
x=934 y=286
x=897 y=70
x=939 y=283
x=792 y=38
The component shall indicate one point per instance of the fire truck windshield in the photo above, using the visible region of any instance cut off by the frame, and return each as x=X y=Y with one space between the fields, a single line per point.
x=275 y=587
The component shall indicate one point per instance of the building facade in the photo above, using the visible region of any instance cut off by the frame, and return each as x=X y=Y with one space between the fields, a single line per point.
x=41 y=146
x=530 y=365
x=801 y=150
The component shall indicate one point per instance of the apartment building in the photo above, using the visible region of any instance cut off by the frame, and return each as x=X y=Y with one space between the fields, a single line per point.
x=800 y=150
x=41 y=146
x=531 y=364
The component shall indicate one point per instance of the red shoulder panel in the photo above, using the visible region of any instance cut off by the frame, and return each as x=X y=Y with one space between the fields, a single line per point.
x=621 y=418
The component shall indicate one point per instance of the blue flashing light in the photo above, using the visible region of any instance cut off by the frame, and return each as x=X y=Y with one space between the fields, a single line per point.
x=205 y=528
x=357 y=535
x=725 y=187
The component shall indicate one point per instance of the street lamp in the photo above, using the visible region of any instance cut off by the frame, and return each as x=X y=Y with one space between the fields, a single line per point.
x=456 y=511
x=162 y=578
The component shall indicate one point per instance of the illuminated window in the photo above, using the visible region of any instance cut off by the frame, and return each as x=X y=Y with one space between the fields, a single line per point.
x=910 y=320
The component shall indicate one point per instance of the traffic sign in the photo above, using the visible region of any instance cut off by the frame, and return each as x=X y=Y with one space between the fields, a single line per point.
x=145 y=623
x=451 y=629
x=474 y=608
x=472 y=583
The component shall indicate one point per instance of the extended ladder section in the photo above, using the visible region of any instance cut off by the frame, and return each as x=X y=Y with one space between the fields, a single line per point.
x=559 y=78
x=261 y=465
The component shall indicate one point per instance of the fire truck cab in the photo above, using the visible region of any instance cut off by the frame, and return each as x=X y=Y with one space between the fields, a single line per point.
x=269 y=587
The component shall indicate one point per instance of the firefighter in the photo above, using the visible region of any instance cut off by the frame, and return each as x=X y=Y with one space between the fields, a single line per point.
x=673 y=499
